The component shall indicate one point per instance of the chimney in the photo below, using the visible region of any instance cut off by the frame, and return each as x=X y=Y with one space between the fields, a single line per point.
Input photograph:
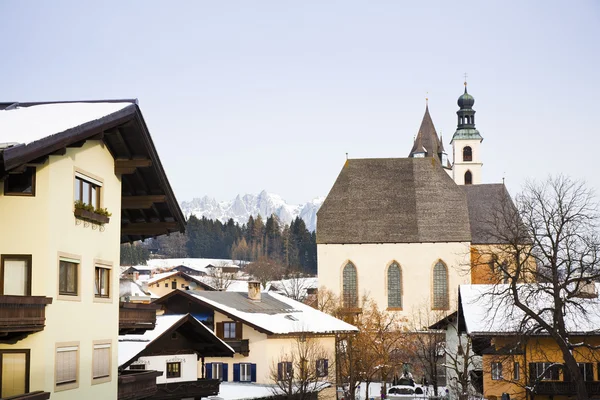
x=254 y=290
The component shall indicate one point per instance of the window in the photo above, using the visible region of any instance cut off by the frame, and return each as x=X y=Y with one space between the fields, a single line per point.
x=67 y=281
x=394 y=286
x=174 y=285
x=87 y=190
x=102 y=282
x=138 y=366
x=217 y=371
x=173 y=370
x=229 y=330
x=183 y=285
x=67 y=357
x=468 y=178
x=467 y=154
x=15 y=275
x=440 y=286
x=543 y=371
x=166 y=284
x=350 y=288
x=587 y=371
x=516 y=371
x=245 y=372
x=322 y=368
x=284 y=370
x=101 y=362
x=14 y=372
x=22 y=184
x=496 y=371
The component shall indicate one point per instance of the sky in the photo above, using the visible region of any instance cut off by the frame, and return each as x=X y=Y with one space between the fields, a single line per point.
x=241 y=96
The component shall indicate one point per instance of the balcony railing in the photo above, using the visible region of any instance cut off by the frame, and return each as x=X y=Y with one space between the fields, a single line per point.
x=134 y=385
x=191 y=389
x=21 y=316
x=240 y=346
x=565 y=388
x=136 y=318
x=39 y=395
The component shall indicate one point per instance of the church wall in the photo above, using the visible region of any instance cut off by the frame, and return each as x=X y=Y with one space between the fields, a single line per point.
x=415 y=259
x=460 y=167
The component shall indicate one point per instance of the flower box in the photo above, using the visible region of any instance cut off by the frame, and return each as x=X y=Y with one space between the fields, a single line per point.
x=91 y=216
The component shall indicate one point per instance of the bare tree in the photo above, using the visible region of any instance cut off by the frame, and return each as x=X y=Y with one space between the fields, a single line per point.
x=219 y=279
x=264 y=270
x=301 y=371
x=295 y=285
x=546 y=260
x=460 y=361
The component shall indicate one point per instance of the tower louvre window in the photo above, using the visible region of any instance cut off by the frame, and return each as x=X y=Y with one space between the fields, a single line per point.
x=394 y=289
x=349 y=286
x=467 y=153
x=440 y=286
x=468 y=178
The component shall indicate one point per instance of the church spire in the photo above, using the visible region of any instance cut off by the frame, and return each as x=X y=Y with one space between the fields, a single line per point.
x=427 y=143
x=466 y=118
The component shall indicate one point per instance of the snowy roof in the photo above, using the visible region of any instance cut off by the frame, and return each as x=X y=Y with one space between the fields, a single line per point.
x=166 y=275
x=274 y=313
x=488 y=310
x=29 y=124
x=295 y=285
x=161 y=276
x=130 y=346
x=127 y=287
x=198 y=264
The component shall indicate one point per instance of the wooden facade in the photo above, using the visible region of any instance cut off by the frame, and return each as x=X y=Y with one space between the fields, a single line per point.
x=21 y=316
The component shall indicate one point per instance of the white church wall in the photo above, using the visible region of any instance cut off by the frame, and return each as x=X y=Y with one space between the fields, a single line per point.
x=460 y=167
x=416 y=261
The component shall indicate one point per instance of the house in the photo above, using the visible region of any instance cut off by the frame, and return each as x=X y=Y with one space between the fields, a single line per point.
x=191 y=266
x=166 y=282
x=262 y=328
x=139 y=272
x=527 y=363
x=78 y=179
x=132 y=291
x=177 y=346
x=404 y=230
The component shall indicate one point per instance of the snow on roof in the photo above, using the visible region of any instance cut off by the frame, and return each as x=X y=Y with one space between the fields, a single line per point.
x=127 y=287
x=28 y=124
x=198 y=264
x=131 y=345
x=158 y=277
x=487 y=310
x=275 y=313
x=295 y=285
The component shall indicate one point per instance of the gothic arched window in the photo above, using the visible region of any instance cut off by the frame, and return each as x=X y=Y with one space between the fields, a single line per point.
x=394 y=285
x=440 y=286
x=467 y=153
x=349 y=286
x=468 y=178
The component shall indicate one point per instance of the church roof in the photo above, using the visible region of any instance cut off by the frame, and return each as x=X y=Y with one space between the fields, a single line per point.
x=427 y=138
x=394 y=200
x=485 y=202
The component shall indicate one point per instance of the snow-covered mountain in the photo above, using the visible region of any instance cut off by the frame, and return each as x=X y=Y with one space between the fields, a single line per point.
x=242 y=207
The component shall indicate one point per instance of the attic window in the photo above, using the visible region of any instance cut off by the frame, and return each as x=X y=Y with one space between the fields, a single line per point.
x=22 y=184
x=291 y=317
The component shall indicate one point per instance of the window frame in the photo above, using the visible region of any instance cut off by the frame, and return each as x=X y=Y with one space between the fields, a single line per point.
x=434 y=292
x=322 y=367
x=218 y=368
x=74 y=259
x=248 y=367
x=227 y=332
x=496 y=371
x=397 y=292
x=21 y=194
x=107 y=266
x=171 y=374
x=16 y=257
x=59 y=387
x=93 y=182
x=350 y=289
x=284 y=367
x=516 y=371
x=27 y=353
x=102 y=344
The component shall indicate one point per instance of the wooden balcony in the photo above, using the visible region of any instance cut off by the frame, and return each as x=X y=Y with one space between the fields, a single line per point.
x=565 y=388
x=240 y=346
x=39 y=395
x=136 y=318
x=193 y=389
x=21 y=316
x=134 y=385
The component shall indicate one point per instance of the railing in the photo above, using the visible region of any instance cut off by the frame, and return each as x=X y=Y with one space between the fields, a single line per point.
x=565 y=388
x=136 y=318
x=21 y=315
x=240 y=346
x=39 y=395
x=191 y=389
x=134 y=385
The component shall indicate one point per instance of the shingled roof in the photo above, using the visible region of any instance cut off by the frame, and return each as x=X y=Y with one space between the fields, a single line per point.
x=427 y=138
x=394 y=200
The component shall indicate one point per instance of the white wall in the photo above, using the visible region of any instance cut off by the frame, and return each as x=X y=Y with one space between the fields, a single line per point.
x=460 y=167
x=416 y=261
x=159 y=363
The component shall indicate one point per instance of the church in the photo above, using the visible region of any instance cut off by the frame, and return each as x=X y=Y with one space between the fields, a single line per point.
x=404 y=230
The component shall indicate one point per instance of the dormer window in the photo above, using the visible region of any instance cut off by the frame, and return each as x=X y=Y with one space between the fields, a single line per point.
x=444 y=159
x=87 y=190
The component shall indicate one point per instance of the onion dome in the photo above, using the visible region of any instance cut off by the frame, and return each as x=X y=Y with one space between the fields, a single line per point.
x=466 y=100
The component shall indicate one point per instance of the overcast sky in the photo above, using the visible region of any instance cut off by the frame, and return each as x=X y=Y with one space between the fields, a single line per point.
x=251 y=95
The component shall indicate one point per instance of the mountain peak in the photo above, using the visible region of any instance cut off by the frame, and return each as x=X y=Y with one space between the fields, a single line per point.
x=244 y=206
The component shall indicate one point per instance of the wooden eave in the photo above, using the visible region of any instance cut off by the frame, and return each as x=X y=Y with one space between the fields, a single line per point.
x=149 y=206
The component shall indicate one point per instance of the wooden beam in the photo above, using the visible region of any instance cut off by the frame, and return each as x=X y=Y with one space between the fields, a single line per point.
x=149 y=229
x=124 y=166
x=141 y=202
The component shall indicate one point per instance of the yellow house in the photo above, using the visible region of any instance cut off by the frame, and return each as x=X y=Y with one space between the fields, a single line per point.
x=77 y=180
x=521 y=364
x=162 y=284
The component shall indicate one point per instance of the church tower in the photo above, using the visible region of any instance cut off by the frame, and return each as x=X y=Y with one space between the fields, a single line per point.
x=428 y=143
x=466 y=144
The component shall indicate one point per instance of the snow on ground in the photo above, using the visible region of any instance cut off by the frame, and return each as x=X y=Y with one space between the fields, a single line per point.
x=243 y=391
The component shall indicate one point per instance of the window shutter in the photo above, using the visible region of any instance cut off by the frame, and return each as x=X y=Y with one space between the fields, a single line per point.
x=225 y=371
x=236 y=372
x=220 y=333
x=326 y=367
x=66 y=365
x=101 y=364
x=252 y=372
x=14 y=374
x=208 y=370
x=238 y=330
x=279 y=371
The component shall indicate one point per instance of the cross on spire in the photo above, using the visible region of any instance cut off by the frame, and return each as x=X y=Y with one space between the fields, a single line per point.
x=465 y=79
